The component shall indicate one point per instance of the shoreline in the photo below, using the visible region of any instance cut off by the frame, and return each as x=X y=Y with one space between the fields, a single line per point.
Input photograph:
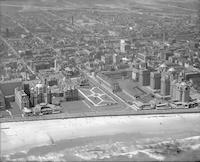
x=99 y=114
x=40 y=133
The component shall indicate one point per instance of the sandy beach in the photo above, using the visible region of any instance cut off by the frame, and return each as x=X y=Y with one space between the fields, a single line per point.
x=22 y=136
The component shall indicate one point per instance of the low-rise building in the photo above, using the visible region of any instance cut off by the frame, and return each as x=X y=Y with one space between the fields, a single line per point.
x=71 y=93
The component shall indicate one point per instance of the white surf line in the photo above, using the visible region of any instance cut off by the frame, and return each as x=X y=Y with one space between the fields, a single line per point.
x=154 y=156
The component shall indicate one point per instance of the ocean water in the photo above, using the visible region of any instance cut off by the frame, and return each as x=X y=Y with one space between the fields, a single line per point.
x=121 y=147
x=152 y=138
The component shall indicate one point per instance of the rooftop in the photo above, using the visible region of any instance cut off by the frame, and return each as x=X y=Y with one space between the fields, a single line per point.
x=8 y=87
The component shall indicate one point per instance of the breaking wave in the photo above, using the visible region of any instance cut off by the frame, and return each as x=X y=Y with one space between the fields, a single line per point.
x=171 y=148
x=157 y=151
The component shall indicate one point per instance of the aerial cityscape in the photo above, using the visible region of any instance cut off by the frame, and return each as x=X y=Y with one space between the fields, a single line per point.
x=100 y=72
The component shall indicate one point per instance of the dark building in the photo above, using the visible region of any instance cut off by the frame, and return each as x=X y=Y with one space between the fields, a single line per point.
x=40 y=94
x=186 y=92
x=35 y=99
x=32 y=98
x=83 y=82
x=71 y=93
x=166 y=55
x=41 y=66
x=49 y=96
x=26 y=88
x=2 y=101
x=40 y=98
x=155 y=81
x=52 y=82
x=165 y=85
x=144 y=77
